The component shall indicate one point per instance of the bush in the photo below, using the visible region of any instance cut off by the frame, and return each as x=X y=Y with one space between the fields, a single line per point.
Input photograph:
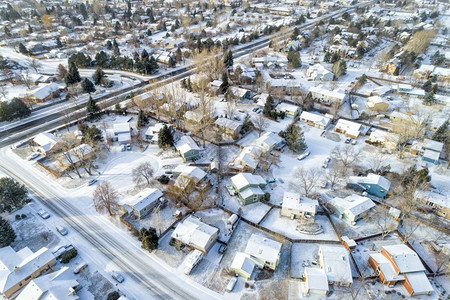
x=24 y=216
x=163 y=179
x=267 y=196
x=69 y=255
x=113 y=296
x=17 y=217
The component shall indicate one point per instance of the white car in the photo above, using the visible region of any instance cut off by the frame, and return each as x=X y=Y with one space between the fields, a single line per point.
x=33 y=156
x=117 y=277
x=231 y=284
x=62 y=230
x=44 y=214
x=304 y=155
x=326 y=162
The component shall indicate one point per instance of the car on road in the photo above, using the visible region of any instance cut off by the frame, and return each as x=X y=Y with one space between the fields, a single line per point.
x=222 y=249
x=347 y=141
x=92 y=182
x=304 y=155
x=43 y=214
x=326 y=162
x=33 y=156
x=117 y=277
x=62 y=230
x=354 y=142
x=231 y=284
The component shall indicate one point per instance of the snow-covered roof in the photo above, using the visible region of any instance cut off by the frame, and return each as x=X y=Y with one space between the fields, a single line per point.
x=348 y=126
x=121 y=128
x=54 y=286
x=283 y=106
x=405 y=258
x=315 y=118
x=195 y=173
x=354 y=203
x=263 y=248
x=327 y=93
x=294 y=201
x=443 y=200
x=227 y=123
x=73 y=155
x=316 y=279
x=16 y=266
x=268 y=140
x=336 y=263
x=433 y=145
x=371 y=178
x=143 y=199
x=386 y=267
x=193 y=231
x=243 y=262
x=419 y=282
x=46 y=140
x=250 y=192
x=382 y=136
x=44 y=91
x=247 y=159
x=185 y=144
x=242 y=180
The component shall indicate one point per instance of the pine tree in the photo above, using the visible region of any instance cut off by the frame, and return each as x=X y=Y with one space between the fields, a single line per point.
x=58 y=43
x=294 y=59
x=19 y=108
x=443 y=133
x=142 y=119
x=165 y=138
x=225 y=85
x=23 y=49
x=7 y=234
x=429 y=99
x=295 y=139
x=88 y=86
x=73 y=76
x=91 y=107
x=268 y=110
x=12 y=194
x=149 y=239
x=228 y=60
x=108 y=45
x=98 y=76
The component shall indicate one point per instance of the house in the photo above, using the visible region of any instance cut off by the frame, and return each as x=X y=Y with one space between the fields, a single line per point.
x=315 y=119
x=188 y=148
x=46 y=92
x=215 y=87
x=376 y=103
x=249 y=187
x=392 y=67
x=46 y=143
x=60 y=285
x=348 y=243
x=351 y=208
x=263 y=251
x=229 y=128
x=75 y=156
x=247 y=160
x=18 y=268
x=193 y=116
x=290 y=110
x=319 y=72
x=438 y=202
x=373 y=184
x=325 y=96
x=348 y=128
x=240 y=93
x=335 y=262
x=242 y=265
x=316 y=281
x=268 y=141
x=151 y=134
x=295 y=206
x=431 y=151
x=194 y=173
x=143 y=203
x=408 y=89
x=193 y=233
x=122 y=133
x=384 y=138
x=399 y=263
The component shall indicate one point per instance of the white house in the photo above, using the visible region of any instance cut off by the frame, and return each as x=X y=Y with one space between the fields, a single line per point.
x=295 y=206
x=192 y=172
x=142 y=203
x=324 y=95
x=242 y=265
x=290 y=110
x=319 y=72
x=268 y=141
x=316 y=281
x=349 y=128
x=315 y=119
x=335 y=262
x=46 y=142
x=151 y=134
x=351 y=208
x=122 y=131
x=196 y=234
x=265 y=252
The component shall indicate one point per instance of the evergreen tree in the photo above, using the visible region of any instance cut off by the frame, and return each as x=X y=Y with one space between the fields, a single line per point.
x=269 y=106
x=443 y=133
x=7 y=234
x=23 y=49
x=165 y=138
x=427 y=86
x=295 y=33
x=295 y=139
x=142 y=119
x=73 y=76
x=247 y=124
x=225 y=85
x=108 y=45
x=228 y=59
x=149 y=239
x=429 y=99
x=98 y=76
x=88 y=86
x=19 y=109
x=327 y=57
x=101 y=59
x=58 y=43
x=294 y=59
x=91 y=107
x=144 y=54
x=12 y=194
x=92 y=135
x=339 y=68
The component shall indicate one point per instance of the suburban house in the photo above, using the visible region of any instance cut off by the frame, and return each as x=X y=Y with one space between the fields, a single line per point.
x=263 y=251
x=194 y=173
x=268 y=141
x=335 y=262
x=325 y=96
x=409 y=89
x=122 y=133
x=249 y=187
x=439 y=203
x=230 y=128
x=316 y=281
x=392 y=67
x=290 y=110
x=348 y=128
x=399 y=263
x=194 y=116
x=247 y=160
x=315 y=119
x=143 y=203
x=319 y=72
x=17 y=269
x=429 y=149
x=384 y=138
x=240 y=93
x=152 y=132
x=242 y=265
x=295 y=206
x=351 y=208
x=46 y=143
x=188 y=148
x=376 y=103
x=193 y=233
x=56 y=286
x=46 y=92
x=373 y=184
x=74 y=156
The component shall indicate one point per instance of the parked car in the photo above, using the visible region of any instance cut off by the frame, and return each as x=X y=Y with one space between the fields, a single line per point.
x=326 y=162
x=347 y=141
x=354 y=142
x=231 y=284
x=59 y=251
x=91 y=182
x=80 y=268
x=43 y=214
x=62 y=230
x=222 y=249
x=128 y=147
x=117 y=277
x=304 y=155
x=32 y=156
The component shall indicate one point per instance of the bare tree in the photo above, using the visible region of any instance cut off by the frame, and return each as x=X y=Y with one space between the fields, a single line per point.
x=34 y=64
x=346 y=155
x=209 y=63
x=260 y=123
x=68 y=159
x=335 y=175
x=306 y=180
x=355 y=288
x=143 y=172
x=383 y=220
x=376 y=160
x=106 y=198
x=230 y=110
x=85 y=155
x=4 y=91
x=442 y=261
x=182 y=191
